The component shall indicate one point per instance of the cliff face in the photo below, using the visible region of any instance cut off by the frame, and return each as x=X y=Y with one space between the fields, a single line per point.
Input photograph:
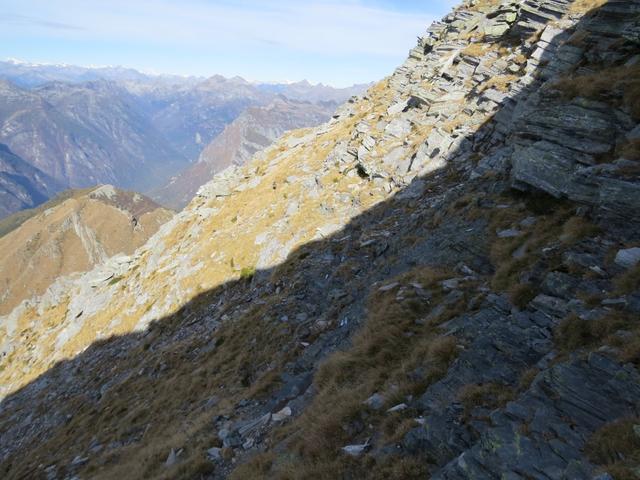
x=82 y=229
x=440 y=282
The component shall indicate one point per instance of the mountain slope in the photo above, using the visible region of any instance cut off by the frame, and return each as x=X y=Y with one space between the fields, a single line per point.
x=191 y=117
x=254 y=129
x=83 y=229
x=21 y=185
x=441 y=282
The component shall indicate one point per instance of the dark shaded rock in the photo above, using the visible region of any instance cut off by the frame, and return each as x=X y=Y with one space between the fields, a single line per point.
x=628 y=257
x=541 y=435
x=560 y=284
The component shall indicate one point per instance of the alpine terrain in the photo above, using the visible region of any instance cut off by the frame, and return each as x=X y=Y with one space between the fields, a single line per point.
x=254 y=129
x=76 y=127
x=442 y=281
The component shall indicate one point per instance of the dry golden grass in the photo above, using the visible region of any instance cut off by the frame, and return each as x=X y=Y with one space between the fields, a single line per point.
x=628 y=281
x=577 y=228
x=527 y=377
x=14 y=221
x=341 y=467
x=616 y=447
x=554 y=221
x=583 y=6
x=630 y=150
x=521 y=294
x=258 y=467
x=477 y=49
x=484 y=5
x=253 y=210
x=450 y=125
x=600 y=86
x=575 y=333
x=162 y=405
x=43 y=247
x=395 y=341
x=507 y=267
x=499 y=82
x=629 y=347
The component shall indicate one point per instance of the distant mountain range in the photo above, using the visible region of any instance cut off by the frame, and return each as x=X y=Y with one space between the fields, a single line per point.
x=87 y=133
x=74 y=127
x=29 y=75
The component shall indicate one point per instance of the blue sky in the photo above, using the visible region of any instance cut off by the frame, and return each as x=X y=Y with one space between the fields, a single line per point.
x=330 y=41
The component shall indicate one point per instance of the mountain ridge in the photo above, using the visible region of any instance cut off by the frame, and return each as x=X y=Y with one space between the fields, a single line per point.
x=114 y=72
x=78 y=230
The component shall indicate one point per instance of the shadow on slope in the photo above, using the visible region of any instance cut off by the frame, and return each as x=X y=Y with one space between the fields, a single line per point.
x=250 y=347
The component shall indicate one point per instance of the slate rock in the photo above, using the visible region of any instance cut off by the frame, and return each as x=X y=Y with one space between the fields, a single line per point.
x=281 y=415
x=542 y=434
x=214 y=454
x=356 y=449
x=628 y=257
x=375 y=401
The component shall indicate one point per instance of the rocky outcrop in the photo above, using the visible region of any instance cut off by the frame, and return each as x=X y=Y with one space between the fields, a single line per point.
x=373 y=297
x=563 y=407
x=570 y=147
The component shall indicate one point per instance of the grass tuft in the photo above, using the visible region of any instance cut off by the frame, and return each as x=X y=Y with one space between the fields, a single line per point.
x=247 y=273
x=616 y=447
x=600 y=85
x=487 y=396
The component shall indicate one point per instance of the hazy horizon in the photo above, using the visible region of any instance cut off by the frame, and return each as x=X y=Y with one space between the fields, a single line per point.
x=257 y=81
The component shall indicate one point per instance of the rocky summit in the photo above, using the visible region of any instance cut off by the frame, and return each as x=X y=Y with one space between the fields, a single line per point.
x=443 y=281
